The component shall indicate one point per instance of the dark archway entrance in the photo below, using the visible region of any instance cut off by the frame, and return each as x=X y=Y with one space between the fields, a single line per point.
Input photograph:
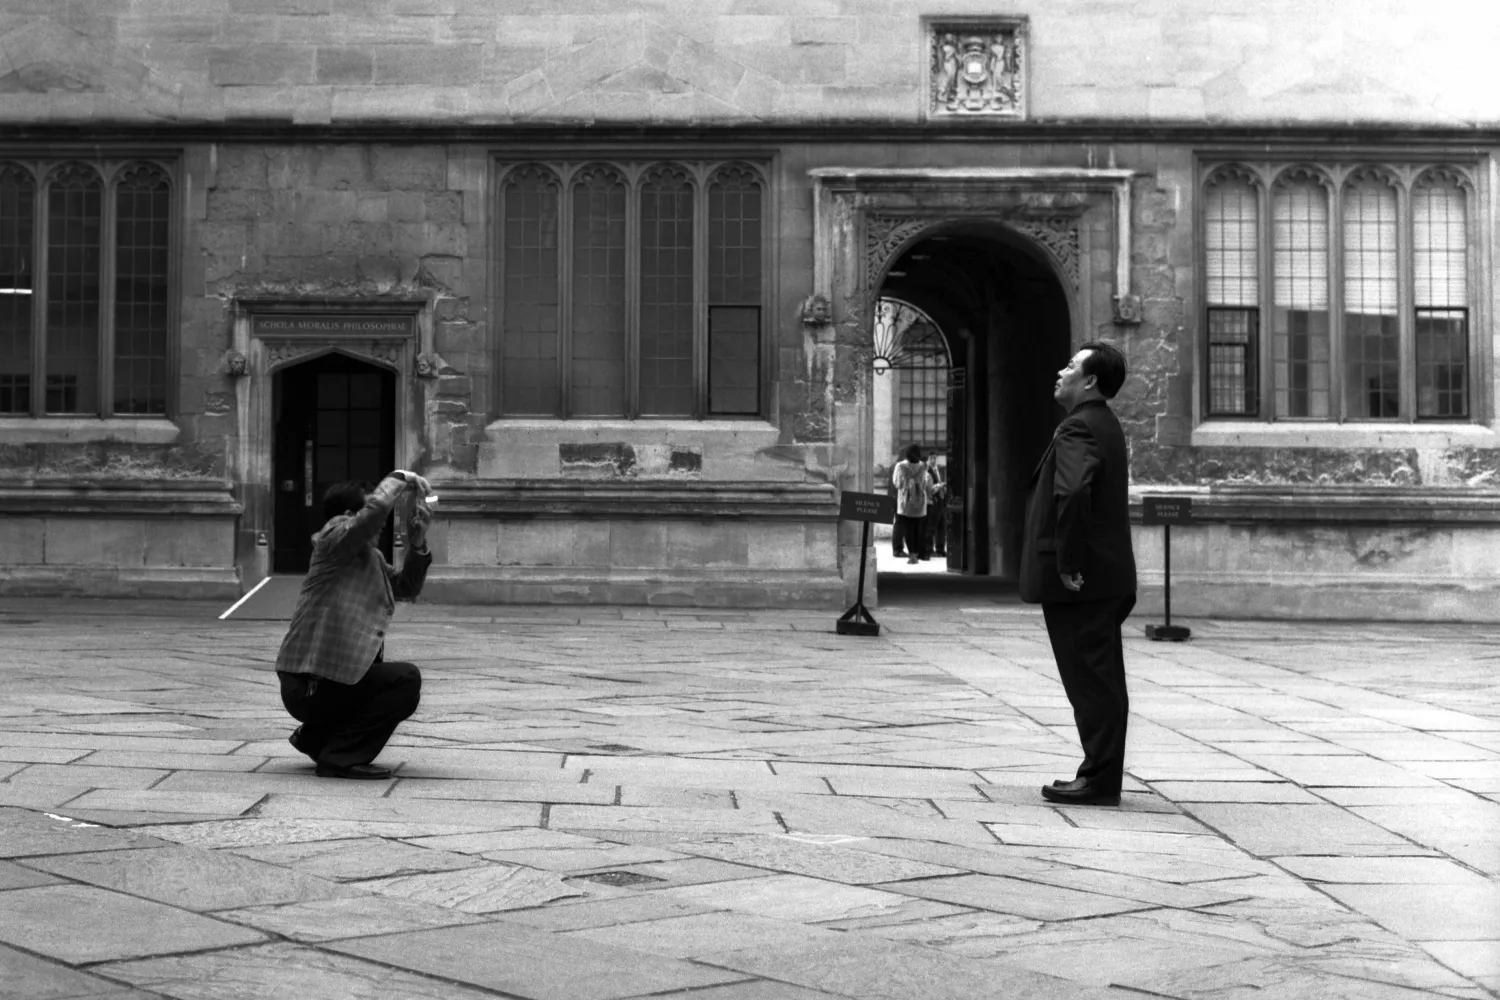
x=334 y=419
x=1006 y=319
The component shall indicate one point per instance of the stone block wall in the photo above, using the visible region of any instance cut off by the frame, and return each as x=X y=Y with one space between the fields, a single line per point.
x=364 y=222
x=671 y=61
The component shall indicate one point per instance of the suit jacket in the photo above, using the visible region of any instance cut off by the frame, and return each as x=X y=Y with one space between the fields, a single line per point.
x=347 y=599
x=1078 y=512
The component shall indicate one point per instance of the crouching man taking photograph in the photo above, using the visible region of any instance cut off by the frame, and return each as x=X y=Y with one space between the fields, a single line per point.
x=335 y=679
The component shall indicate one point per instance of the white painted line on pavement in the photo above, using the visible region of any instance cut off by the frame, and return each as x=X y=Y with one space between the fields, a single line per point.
x=242 y=600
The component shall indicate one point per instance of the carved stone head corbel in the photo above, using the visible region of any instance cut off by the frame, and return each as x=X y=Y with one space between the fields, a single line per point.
x=235 y=365
x=817 y=312
x=1128 y=310
x=429 y=366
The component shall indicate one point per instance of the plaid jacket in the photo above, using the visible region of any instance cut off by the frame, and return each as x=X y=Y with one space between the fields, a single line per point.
x=349 y=594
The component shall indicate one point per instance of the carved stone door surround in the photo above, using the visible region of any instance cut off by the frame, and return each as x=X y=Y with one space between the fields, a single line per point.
x=874 y=212
x=863 y=218
x=272 y=334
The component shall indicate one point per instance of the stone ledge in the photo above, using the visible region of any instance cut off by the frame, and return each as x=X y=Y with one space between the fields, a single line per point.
x=1330 y=505
x=1321 y=434
x=729 y=589
x=119 y=497
x=65 y=430
x=201 y=583
x=1316 y=597
x=613 y=498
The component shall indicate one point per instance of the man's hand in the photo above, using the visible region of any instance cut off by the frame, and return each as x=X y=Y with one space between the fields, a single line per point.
x=1073 y=583
x=414 y=482
x=416 y=528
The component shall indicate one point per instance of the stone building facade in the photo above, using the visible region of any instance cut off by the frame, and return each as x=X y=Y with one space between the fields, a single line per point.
x=608 y=274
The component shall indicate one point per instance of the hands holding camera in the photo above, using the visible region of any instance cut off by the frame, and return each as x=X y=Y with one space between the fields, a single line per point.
x=420 y=515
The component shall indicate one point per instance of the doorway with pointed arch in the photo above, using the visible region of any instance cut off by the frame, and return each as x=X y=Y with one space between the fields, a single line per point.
x=971 y=325
x=335 y=420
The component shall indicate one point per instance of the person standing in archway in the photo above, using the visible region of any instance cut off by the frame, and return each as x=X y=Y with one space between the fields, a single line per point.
x=913 y=488
x=1078 y=563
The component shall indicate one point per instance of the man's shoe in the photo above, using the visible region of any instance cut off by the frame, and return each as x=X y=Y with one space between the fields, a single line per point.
x=1079 y=792
x=370 y=772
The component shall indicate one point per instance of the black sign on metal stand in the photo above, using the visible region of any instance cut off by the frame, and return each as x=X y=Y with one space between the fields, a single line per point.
x=1167 y=511
x=864 y=507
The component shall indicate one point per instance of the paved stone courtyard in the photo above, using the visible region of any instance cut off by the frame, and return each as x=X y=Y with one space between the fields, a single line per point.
x=630 y=802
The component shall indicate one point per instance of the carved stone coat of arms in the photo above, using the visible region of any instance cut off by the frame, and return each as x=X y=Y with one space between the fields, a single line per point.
x=977 y=68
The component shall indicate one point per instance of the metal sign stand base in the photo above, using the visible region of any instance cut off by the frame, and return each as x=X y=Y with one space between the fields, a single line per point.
x=858 y=620
x=1167 y=632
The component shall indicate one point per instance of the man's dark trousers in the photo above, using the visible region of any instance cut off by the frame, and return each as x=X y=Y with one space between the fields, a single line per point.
x=348 y=724
x=1091 y=661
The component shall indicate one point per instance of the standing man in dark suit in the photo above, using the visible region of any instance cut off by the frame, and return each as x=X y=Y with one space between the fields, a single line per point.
x=1077 y=562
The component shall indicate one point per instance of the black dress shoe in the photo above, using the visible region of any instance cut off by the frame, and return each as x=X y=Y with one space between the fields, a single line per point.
x=1079 y=792
x=371 y=772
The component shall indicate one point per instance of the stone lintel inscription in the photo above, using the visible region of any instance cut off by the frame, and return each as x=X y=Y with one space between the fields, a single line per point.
x=331 y=325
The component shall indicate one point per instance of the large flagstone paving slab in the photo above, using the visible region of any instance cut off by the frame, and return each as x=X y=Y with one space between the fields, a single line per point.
x=365 y=858
x=14 y=876
x=1262 y=978
x=77 y=924
x=1428 y=912
x=825 y=861
x=26 y=977
x=189 y=877
x=486 y=889
x=27 y=833
x=1272 y=829
x=702 y=936
x=282 y=970
x=580 y=914
x=1018 y=897
x=153 y=800
x=260 y=831
x=353 y=916
x=1382 y=871
x=536 y=964
x=793 y=897
x=891 y=970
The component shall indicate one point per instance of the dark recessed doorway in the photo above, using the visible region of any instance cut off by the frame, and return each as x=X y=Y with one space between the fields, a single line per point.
x=335 y=420
x=1005 y=317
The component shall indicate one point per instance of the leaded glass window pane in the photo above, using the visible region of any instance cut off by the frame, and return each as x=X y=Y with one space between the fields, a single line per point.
x=1372 y=341
x=734 y=288
x=17 y=288
x=142 y=204
x=1299 y=317
x=1232 y=255
x=1441 y=270
x=666 y=330
x=530 y=287
x=597 y=366
x=74 y=206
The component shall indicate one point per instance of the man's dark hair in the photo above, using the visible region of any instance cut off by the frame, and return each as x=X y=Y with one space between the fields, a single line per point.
x=1107 y=365
x=913 y=453
x=347 y=497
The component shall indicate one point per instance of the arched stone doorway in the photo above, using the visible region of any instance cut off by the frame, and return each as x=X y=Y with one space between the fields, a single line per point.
x=1037 y=260
x=912 y=366
x=1006 y=315
x=334 y=419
